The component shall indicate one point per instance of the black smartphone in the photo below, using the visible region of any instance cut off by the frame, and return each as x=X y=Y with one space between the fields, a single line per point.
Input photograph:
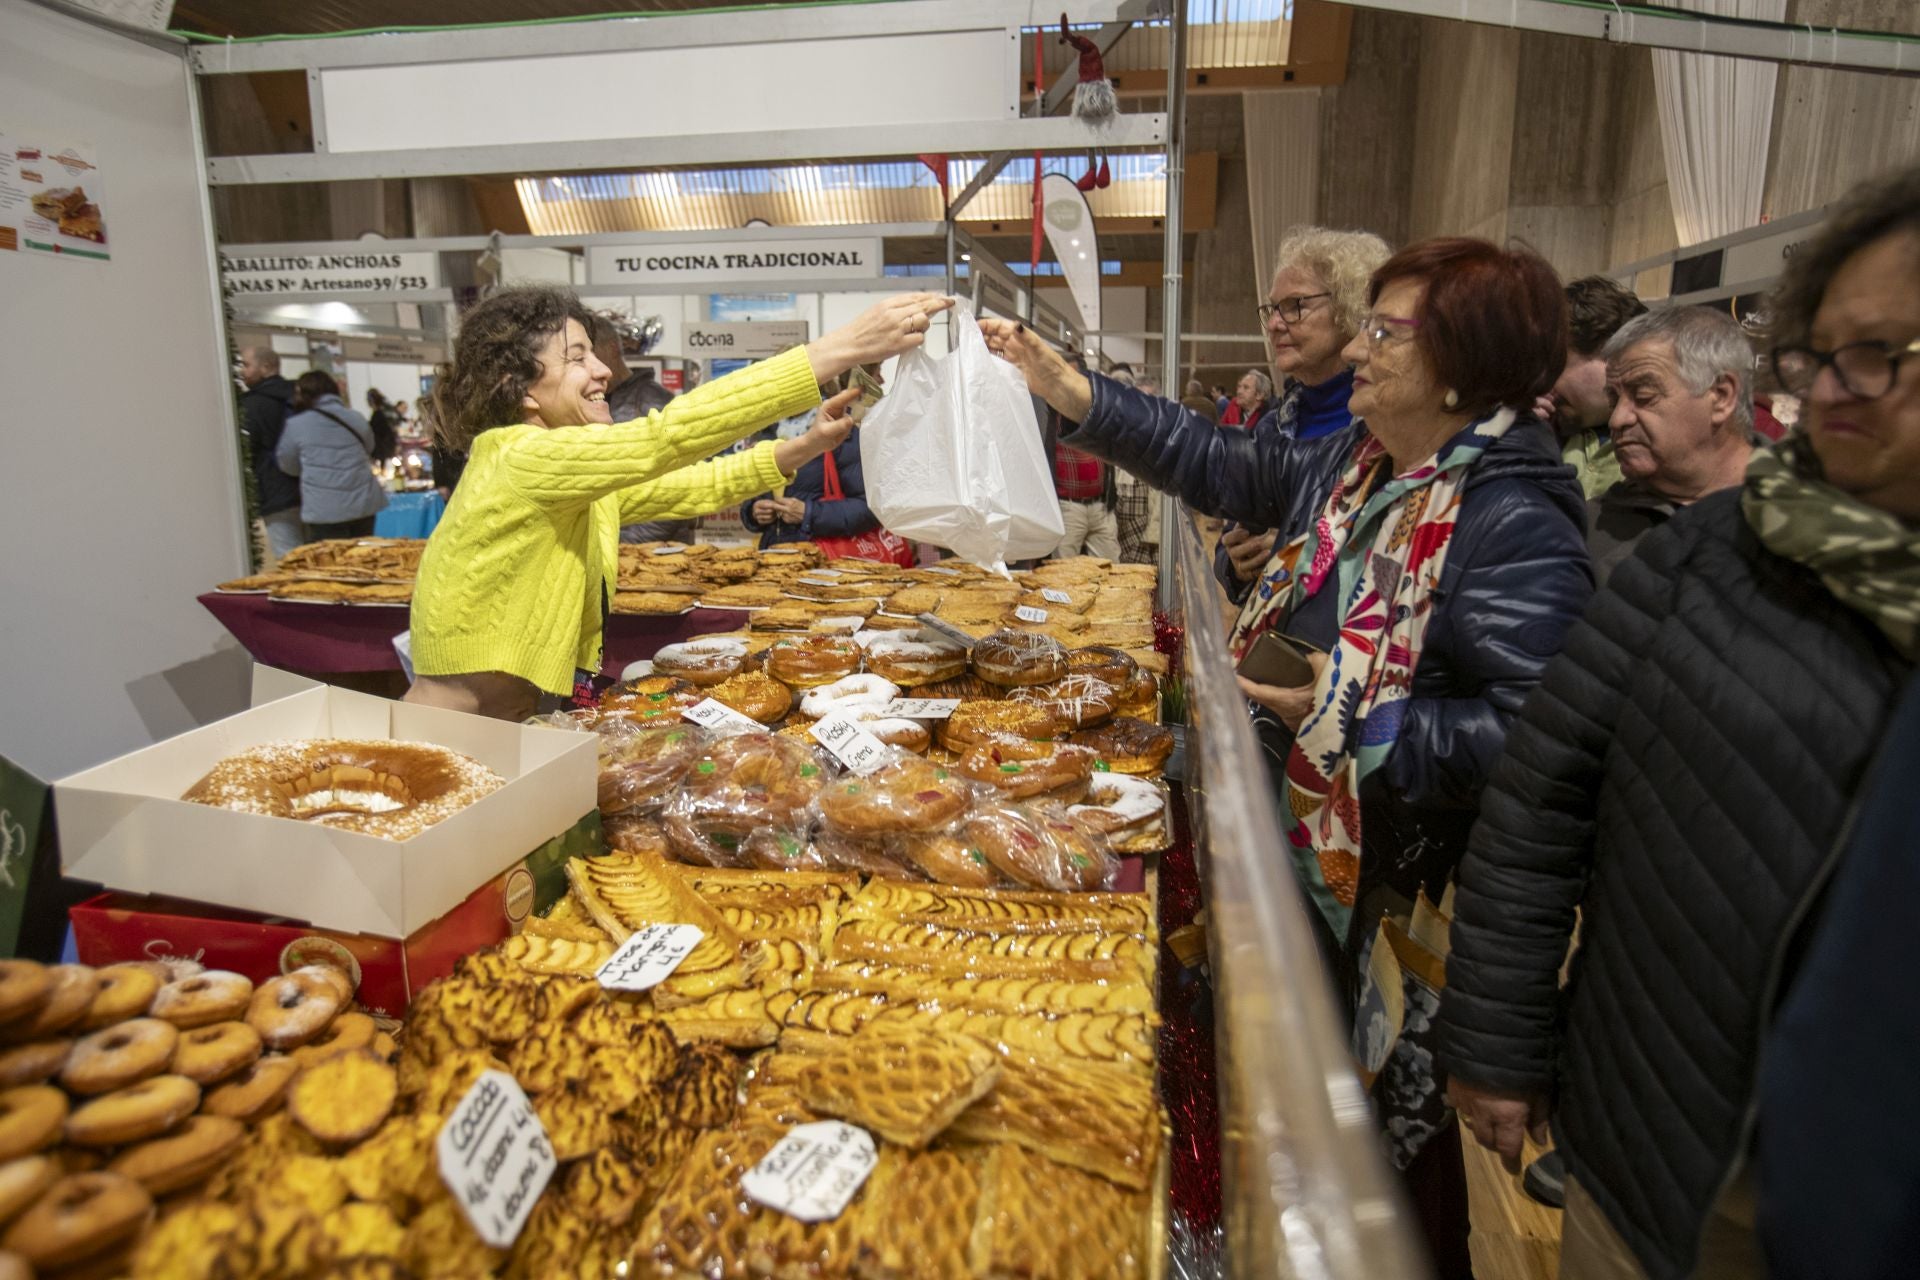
x=1278 y=660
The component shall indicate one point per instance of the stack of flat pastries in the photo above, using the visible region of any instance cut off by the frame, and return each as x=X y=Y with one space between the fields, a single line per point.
x=1022 y=1139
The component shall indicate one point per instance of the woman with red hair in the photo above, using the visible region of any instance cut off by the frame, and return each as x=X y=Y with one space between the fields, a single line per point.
x=1438 y=579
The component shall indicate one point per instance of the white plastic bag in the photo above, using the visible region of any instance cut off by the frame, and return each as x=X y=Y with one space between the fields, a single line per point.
x=953 y=455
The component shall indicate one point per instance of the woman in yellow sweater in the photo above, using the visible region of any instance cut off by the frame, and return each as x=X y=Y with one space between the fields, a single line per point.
x=514 y=585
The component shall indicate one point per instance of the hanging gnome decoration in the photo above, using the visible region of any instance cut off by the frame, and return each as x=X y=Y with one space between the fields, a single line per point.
x=1093 y=101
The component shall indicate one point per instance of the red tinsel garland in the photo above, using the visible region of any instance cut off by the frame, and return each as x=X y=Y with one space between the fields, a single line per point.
x=1187 y=1074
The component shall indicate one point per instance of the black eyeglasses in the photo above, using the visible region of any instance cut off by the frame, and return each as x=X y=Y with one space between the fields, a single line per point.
x=1290 y=309
x=1866 y=370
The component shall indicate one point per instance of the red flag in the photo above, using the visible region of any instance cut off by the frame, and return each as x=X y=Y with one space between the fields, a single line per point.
x=937 y=162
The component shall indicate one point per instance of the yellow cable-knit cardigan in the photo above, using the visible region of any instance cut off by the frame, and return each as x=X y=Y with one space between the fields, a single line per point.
x=514 y=575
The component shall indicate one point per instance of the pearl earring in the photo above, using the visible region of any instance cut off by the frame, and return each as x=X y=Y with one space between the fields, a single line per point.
x=1451 y=399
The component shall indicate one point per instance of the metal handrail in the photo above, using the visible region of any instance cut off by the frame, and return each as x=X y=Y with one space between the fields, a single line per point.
x=1305 y=1183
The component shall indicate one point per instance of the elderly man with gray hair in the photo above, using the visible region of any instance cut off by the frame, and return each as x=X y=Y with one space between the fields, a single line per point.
x=1680 y=380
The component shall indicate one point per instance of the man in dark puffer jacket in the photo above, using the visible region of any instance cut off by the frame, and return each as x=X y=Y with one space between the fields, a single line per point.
x=1680 y=776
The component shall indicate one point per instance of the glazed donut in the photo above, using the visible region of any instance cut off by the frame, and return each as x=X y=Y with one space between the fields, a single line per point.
x=1042 y=850
x=1077 y=700
x=948 y=858
x=23 y=1181
x=203 y=999
x=1019 y=657
x=25 y=986
x=1103 y=662
x=139 y=1111
x=756 y=695
x=805 y=662
x=394 y=790
x=74 y=986
x=181 y=1158
x=909 y=794
x=255 y=1091
x=208 y=1055
x=81 y=1216
x=1140 y=697
x=909 y=660
x=120 y=1055
x=702 y=662
x=125 y=991
x=1020 y=770
x=345 y=1034
x=752 y=780
x=867 y=856
x=1128 y=745
x=650 y=698
x=634 y=833
x=292 y=1009
x=975 y=723
x=30 y=1119
x=32 y=1063
x=641 y=764
x=847 y=693
x=1117 y=802
x=333 y=975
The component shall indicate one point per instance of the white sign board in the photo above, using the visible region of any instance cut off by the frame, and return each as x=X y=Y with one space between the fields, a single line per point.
x=344 y=274
x=495 y=1157
x=755 y=262
x=743 y=339
x=814 y=1172
x=649 y=957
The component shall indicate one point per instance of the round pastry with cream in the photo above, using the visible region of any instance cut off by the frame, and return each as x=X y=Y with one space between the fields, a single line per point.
x=909 y=660
x=847 y=694
x=702 y=662
x=384 y=788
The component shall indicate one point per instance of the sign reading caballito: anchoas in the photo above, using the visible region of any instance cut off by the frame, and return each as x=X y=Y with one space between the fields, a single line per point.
x=347 y=272
x=733 y=262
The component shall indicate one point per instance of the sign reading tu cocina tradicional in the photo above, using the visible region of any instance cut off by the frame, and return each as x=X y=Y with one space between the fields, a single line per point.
x=733 y=262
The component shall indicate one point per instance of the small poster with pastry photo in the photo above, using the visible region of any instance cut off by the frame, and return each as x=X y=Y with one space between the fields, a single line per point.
x=62 y=185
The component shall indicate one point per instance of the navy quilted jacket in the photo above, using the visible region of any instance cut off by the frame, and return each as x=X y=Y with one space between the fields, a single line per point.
x=1516 y=579
x=846 y=518
x=1681 y=776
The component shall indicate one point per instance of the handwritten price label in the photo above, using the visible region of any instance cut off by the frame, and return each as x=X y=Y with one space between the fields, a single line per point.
x=1027 y=613
x=710 y=714
x=922 y=708
x=853 y=746
x=814 y=1172
x=646 y=959
x=495 y=1158
x=1056 y=597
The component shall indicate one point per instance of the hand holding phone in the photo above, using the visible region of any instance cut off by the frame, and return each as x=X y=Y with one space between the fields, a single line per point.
x=1279 y=660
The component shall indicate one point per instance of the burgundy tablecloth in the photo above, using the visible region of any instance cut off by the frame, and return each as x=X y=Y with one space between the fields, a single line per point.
x=330 y=638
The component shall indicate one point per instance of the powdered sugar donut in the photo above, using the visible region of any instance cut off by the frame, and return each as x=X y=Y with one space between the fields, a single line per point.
x=909 y=660
x=847 y=693
x=895 y=731
x=704 y=662
x=1117 y=802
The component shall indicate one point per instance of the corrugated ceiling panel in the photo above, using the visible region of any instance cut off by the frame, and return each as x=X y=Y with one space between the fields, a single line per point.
x=830 y=195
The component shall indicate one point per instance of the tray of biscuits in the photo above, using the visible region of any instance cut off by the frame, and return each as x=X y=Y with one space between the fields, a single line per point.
x=997 y=1062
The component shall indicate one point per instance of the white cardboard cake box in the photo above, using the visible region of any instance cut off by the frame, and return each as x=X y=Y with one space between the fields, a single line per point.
x=123 y=823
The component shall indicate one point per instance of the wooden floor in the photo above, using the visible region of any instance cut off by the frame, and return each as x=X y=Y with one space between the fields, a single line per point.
x=1514 y=1236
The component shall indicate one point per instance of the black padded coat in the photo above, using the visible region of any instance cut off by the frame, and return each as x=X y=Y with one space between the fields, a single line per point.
x=1682 y=775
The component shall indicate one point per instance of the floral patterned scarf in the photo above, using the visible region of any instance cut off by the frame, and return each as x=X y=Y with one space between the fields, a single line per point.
x=1382 y=540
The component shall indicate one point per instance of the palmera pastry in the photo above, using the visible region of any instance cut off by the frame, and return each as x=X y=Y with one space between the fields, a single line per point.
x=1129 y=746
x=974 y=724
x=805 y=662
x=1078 y=700
x=910 y=660
x=1020 y=770
x=1019 y=657
x=702 y=662
x=384 y=788
x=907 y=795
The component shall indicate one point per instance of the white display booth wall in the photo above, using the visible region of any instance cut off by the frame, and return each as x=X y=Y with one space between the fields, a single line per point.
x=119 y=473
